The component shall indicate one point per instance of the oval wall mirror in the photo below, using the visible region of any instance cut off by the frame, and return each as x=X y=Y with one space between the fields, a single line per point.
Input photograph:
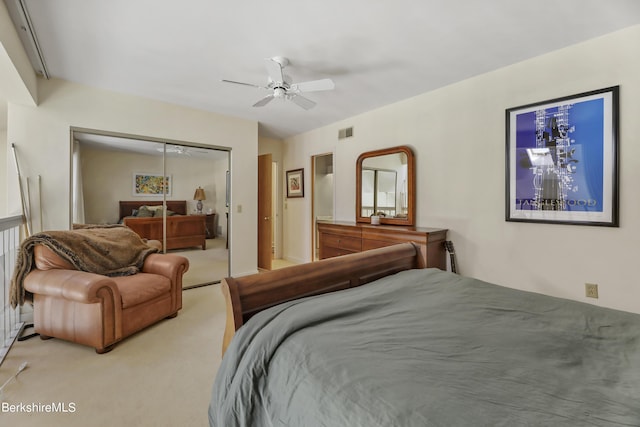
x=385 y=186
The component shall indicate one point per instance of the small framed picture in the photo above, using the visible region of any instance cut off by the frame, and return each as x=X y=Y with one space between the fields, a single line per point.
x=295 y=183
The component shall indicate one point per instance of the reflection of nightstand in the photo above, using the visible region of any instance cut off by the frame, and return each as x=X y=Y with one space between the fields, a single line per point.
x=211 y=224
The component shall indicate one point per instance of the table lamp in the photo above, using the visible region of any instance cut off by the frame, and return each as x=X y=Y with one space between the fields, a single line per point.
x=199 y=196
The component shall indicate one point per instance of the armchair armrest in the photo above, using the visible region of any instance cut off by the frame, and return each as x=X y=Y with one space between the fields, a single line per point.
x=168 y=265
x=72 y=285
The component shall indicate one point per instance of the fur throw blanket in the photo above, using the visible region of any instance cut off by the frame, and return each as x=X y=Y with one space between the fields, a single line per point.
x=110 y=251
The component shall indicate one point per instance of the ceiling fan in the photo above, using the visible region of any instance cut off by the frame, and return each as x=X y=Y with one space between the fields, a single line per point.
x=182 y=150
x=174 y=149
x=282 y=88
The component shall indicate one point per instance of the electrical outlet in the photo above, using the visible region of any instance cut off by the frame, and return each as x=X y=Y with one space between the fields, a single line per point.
x=591 y=290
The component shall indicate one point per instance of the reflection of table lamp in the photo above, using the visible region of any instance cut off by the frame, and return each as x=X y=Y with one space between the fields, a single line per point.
x=199 y=196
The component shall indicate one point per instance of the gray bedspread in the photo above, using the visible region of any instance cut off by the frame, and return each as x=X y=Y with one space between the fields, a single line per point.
x=430 y=348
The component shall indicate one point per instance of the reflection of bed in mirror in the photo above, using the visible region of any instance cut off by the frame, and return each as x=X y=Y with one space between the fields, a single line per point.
x=183 y=231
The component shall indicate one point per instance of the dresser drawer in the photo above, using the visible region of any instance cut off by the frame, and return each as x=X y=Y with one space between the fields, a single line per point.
x=329 y=252
x=339 y=238
x=375 y=244
x=351 y=244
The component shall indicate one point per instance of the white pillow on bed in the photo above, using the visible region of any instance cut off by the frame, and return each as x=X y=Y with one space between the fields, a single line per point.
x=145 y=212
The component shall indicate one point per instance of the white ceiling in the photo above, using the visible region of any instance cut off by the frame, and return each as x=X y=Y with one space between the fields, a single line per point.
x=150 y=148
x=377 y=52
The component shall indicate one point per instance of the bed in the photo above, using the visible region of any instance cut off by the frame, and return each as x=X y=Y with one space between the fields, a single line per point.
x=183 y=231
x=309 y=346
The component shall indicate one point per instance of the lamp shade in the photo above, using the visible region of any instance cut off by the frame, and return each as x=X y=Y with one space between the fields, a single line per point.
x=199 y=194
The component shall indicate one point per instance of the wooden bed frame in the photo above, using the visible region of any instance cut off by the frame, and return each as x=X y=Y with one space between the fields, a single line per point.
x=248 y=295
x=183 y=231
x=127 y=207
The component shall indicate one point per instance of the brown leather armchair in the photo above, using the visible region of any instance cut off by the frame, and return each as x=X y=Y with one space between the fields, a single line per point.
x=97 y=310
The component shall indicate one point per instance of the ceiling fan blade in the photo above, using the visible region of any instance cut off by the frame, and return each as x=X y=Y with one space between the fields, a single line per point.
x=264 y=101
x=274 y=69
x=241 y=83
x=303 y=102
x=314 y=85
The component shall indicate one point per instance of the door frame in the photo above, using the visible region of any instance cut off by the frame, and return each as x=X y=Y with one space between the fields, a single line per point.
x=313 y=197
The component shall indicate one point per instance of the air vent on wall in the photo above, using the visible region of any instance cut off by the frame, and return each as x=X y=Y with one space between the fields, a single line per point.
x=345 y=133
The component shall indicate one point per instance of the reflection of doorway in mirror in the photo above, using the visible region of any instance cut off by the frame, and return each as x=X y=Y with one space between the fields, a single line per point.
x=379 y=189
x=403 y=196
x=384 y=186
x=368 y=191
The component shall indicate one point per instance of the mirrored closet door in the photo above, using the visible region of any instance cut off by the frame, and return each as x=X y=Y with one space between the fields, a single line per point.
x=169 y=191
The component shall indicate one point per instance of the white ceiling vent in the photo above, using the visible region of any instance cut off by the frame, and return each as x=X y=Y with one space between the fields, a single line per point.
x=345 y=133
x=20 y=17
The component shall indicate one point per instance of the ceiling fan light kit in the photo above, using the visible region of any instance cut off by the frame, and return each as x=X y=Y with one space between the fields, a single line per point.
x=281 y=87
x=279 y=92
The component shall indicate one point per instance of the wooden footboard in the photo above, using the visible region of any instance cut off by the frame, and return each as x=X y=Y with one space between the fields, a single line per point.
x=248 y=295
x=183 y=231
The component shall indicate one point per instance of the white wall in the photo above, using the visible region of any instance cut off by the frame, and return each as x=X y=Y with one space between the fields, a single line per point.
x=42 y=135
x=116 y=168
x=18 y=82
x=458 y=135
x=4 y=210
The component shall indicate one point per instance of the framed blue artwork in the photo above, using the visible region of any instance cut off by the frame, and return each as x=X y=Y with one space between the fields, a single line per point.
x=562 y=160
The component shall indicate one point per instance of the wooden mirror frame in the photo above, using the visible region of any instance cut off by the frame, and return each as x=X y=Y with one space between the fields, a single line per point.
x=411 y=186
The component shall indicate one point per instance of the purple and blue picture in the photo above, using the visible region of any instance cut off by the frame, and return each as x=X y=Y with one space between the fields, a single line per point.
x=562 y=160
x=559 y=163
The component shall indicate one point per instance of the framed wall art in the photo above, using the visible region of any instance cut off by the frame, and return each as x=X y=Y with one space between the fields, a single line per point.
x=562 y=160
x=295 y=183
x=145 y=184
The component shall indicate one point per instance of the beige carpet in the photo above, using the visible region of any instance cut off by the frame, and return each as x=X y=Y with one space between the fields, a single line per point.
x=208 y=266
x=281 y=263
x=212 y=264
x=162 y=376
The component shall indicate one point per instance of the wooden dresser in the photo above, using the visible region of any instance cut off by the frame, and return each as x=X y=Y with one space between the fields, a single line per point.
x=340 y=238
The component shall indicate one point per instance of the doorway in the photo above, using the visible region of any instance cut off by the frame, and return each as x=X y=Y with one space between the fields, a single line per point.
x=322 y=195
